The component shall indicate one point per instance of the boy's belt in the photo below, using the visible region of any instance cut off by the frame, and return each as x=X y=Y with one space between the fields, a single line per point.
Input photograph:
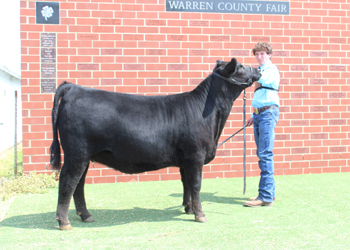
x=259 y=110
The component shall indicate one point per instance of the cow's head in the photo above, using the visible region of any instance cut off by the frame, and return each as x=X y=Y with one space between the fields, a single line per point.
x=236 y=72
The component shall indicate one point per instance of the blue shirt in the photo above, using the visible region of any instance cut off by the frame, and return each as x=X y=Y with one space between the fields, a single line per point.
x=270 y=77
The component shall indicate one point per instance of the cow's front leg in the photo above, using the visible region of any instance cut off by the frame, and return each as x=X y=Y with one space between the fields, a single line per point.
x=79 y=200
x=69 y=178
x=193 y=175
x=187 y=200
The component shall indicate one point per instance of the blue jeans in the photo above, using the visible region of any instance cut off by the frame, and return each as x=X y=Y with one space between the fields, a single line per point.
x=264 y=133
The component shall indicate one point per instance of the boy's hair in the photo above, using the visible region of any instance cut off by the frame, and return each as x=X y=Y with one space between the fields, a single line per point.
x=263 y=46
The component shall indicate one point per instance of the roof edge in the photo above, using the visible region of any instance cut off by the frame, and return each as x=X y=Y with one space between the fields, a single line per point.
x=6 y=70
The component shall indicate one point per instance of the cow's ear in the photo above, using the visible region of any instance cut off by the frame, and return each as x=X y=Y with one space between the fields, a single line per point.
x=229 y=68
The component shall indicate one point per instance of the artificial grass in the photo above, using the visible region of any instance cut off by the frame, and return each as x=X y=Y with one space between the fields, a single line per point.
x=310 y=212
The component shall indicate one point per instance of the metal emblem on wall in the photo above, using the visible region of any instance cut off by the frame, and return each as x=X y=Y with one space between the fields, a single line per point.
x=47 y=12
x=227 y=6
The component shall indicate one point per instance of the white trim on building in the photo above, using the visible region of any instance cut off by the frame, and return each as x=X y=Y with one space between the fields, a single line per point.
x=9 y=83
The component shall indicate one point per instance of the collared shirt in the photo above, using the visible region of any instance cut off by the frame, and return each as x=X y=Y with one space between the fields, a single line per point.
x=270 y=77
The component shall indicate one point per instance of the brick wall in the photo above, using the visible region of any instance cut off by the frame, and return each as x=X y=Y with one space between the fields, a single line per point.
x=134 y=46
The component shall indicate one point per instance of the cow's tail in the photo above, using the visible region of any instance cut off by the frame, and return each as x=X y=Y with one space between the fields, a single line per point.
x=55 y=151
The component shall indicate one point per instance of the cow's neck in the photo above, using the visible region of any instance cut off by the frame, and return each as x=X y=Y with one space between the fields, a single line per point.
x=216 y=97
x=216 y=94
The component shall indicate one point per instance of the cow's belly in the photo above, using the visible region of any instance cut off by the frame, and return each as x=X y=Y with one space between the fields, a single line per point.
x=128 y=166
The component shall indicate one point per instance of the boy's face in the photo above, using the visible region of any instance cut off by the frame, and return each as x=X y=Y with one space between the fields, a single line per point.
x=262 y=57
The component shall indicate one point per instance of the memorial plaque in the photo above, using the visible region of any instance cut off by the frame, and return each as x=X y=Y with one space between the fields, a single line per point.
x=88 y=66
x=48 y=85
x=134 y=66
x=319 y=137
x=195 y=81
x=132 y=37
x=318 y=53
x=337 y=40
x=318 y=81
x=300 y=95
x=48 y=40
x=48 y=62
x=111 y=51
x=280 y=137
x=280 y=53
x=300 y=39
x=177 y=67
x=88 y=37
x=337 y=149
x=48 y=55
x=337 y=122
x=111 y=81
x=177 y=38
x=219 y=38
x=199 y=23
x=156 y=22
x=337 y=95
x=318 y=109
x=155 y=52
x=300 y=150
x=300 y=123
x=337 y=68
x=240 y=52
x=260 y=39
x=110 y=22
x=156 y=82
x=48 y=70
x=195 y=52
x=47 y=12
x=284 y=82
x=299 y=67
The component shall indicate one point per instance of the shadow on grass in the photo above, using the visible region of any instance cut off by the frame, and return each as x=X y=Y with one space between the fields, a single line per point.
x=103 y=217
x=113 y=217
x=211 y=197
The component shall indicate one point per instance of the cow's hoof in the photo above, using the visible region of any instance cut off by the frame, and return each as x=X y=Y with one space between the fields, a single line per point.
x=66 y=227
x=90 y=219
x=201 y=219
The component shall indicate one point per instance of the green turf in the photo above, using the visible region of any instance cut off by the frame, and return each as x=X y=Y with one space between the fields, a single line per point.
x=311 y=212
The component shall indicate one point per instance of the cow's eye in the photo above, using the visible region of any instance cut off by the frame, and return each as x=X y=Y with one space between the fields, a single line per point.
x=241 y=69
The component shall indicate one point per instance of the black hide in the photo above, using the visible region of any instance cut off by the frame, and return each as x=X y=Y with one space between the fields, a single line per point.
x=134 y=134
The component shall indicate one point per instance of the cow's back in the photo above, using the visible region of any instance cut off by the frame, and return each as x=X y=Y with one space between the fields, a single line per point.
x=128 y=132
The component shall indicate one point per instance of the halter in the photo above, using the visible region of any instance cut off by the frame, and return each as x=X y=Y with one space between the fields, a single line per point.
x=233 y=81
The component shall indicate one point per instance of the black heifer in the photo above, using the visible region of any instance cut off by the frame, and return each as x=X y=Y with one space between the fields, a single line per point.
x=134 y=134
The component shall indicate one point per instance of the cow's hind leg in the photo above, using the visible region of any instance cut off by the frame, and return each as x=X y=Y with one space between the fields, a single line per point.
x=79 y=200
x=187 y=200
x=69 y=178
x=193 y=173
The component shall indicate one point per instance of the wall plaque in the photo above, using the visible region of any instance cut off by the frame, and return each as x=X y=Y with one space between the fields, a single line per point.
x=47 y=12
x=48 y=85
x=48 y=62
x=88 y=66
x=48 y=70
x=240 y=52
x=157 y=52
x=48 y=55
x=48 y=40
x=229 y=6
